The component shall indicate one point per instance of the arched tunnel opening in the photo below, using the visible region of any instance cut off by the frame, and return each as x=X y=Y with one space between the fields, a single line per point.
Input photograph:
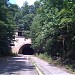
x=26 y=50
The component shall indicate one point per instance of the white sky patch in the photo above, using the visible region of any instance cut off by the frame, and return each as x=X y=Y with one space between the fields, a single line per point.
x=31 y=1
x=20 y=2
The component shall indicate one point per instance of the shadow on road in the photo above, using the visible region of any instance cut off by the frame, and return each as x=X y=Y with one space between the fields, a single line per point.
x=14 y=64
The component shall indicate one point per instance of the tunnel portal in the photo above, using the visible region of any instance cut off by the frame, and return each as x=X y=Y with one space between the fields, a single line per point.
x=26 y=50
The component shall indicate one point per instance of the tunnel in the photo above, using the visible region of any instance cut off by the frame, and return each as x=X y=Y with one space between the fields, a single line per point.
x=26 y=50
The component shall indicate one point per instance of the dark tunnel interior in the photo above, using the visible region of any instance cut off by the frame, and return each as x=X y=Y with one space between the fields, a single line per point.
x=26 y=50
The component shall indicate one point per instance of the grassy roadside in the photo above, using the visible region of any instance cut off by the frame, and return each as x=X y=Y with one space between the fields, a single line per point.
x=57 y=63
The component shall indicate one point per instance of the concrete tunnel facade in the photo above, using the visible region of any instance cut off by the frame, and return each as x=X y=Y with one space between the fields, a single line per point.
x=22 y=46
x=26 y=50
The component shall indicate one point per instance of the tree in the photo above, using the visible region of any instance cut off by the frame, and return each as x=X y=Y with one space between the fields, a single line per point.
x=57 y=28
x=7 y=26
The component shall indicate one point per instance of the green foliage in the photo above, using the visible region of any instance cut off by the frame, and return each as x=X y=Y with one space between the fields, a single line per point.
x=53 y=27
x=24 y=16
x=27 y=34
x=45 y=57
x=7 y=26
x=50 y=24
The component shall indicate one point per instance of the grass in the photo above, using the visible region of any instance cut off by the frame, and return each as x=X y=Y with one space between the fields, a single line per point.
x=13 y=54
x=46 y=58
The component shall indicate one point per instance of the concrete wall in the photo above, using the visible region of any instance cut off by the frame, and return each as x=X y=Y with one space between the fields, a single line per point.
x=20 y=41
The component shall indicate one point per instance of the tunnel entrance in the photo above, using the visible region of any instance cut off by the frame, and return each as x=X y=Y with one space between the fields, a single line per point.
x=26 y=50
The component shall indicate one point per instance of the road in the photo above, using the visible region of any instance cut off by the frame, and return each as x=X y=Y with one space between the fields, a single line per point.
x=48 y=69
x=20 y=65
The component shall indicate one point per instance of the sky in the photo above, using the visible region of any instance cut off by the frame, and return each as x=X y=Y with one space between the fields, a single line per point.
x=20 y=2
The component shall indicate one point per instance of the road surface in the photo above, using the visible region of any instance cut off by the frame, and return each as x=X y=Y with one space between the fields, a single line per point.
x=48 y=69
x=20 y=65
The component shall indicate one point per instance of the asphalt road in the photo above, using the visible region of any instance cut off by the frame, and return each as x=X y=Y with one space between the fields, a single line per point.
x=20 y=65
x=48 y=69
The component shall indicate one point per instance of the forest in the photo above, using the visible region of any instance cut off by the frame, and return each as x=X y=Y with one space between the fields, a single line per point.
x=49 y=23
